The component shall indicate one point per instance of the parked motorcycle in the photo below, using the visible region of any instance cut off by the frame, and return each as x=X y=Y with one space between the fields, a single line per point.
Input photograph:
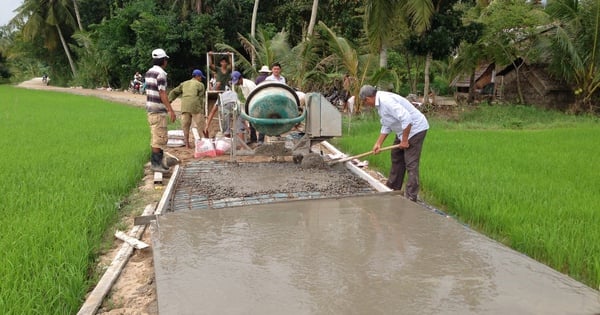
x=137 y=87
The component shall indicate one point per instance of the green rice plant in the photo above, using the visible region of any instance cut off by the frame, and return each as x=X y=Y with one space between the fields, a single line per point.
x=67 y=162
x=533 y=187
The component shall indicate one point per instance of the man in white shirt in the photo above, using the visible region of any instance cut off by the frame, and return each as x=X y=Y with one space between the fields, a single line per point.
x=398 y=115
x=276 y=75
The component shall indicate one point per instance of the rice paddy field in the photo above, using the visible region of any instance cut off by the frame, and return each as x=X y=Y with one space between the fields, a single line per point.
x=526 y=177
x=67 y=163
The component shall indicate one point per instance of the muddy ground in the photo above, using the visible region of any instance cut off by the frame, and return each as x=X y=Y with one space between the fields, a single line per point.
x=135 y=290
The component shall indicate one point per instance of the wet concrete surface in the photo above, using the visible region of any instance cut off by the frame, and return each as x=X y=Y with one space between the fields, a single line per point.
x=375 y=254
x=210 y=184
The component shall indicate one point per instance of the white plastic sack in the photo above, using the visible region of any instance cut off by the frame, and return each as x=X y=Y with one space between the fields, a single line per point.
x=222 y=145
x=175 y=134
x=174 y=143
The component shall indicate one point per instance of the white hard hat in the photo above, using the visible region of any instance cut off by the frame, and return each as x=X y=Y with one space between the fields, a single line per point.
x=159 y=53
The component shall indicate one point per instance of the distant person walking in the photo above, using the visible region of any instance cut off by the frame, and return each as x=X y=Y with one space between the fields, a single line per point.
x=157 y=108
x=192 y=101
x=276 y=75
x=410 y=126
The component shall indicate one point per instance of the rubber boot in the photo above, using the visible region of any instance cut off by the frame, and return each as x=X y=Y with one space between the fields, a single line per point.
x=156 y=162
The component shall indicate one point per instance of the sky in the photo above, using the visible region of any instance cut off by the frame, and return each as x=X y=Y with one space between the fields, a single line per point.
x=6 y=13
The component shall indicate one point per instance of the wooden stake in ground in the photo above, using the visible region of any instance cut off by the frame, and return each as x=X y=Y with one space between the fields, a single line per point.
x=131 y=240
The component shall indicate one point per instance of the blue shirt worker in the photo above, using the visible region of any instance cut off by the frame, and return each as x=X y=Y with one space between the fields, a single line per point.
x=410 y=126
x=157 y=108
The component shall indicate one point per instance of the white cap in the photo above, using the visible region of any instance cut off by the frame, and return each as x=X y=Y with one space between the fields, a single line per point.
x=264 y=69
x=159 y=53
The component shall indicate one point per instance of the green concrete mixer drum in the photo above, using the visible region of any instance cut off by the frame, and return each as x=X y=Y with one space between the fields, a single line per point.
x=273 y=108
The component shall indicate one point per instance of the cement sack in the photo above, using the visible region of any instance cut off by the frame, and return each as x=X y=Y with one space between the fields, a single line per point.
x=222 y=145
x=204 y=147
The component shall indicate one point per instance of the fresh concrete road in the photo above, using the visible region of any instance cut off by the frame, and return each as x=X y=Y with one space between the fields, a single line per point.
x=376 y=254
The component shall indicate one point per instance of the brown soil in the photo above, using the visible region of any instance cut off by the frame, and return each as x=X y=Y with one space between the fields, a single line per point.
x=135 y=290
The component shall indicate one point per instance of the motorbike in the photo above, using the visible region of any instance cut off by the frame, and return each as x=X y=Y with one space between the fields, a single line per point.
x=137 y=87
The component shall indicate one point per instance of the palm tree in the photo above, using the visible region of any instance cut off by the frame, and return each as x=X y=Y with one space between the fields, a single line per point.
x=348 y=60
x=77 y=15
x=385 y=18
x=575 y=49
x=47 y=18
x=253 y=30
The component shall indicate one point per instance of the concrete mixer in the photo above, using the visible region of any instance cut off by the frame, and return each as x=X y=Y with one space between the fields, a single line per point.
x=275 y=109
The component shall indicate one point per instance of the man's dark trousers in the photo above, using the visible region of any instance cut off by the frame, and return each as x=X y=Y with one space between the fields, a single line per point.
x=407 y=160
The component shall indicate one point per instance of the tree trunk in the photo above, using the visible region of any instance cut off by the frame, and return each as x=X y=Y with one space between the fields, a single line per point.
x=77 y=15
x=412 y=79
x=198 y=7
x=519 y=91
x=313 y=18
x=67 y=52
x=253 y=32
x=426 y=83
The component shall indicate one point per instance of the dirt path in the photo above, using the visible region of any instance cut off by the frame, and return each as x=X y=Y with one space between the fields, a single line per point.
x=110 y=95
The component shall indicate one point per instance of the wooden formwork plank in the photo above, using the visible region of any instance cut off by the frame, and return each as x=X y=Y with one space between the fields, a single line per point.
x=162 y=204
x=110 y=276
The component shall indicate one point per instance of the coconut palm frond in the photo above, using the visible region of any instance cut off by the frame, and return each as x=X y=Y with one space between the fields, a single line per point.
x=341 y=48
x=280 y=46
x=566 y=46
x=419 y=13
x=247 y=44
x=303 y=60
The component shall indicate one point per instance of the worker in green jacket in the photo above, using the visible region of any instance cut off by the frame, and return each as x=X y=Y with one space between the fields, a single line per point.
x=192 y=102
